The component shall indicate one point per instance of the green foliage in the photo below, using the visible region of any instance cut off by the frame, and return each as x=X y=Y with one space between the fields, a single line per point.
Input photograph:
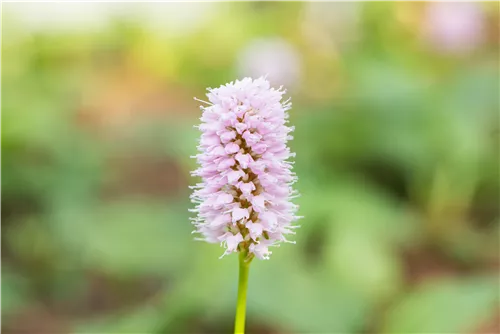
x=397 y=158
x=451 y=305
x=14 y=291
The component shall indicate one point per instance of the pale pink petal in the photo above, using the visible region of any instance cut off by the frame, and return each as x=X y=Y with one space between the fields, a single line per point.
x=259 y=148
x=226 y=137
x=234 y=176
x=233 y=242
x=225 y=164
x=218 y=150
x=224 y=199
x=210 y=140
x=255 y=230
x=258 y=203
x=243 y=159
x=261 y=251
x=239 y=213
x=247 y=188
x=232 y=148
x=221 y=220
x=240 y=127
x=268 y=220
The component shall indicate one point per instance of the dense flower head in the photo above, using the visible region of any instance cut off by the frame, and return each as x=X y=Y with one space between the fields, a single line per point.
x=244 y=199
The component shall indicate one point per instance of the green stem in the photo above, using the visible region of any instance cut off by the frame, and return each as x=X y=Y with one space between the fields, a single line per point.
x=239 y=322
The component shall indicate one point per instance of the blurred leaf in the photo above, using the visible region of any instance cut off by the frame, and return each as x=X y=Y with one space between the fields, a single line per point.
x=144 y=319
x=351 y=203
x=31 y=241
x=14 y=291
x=367 y=266
x=128 y=237
x=300 y=301
x=209 y=284
x=445 y=306
x=360 y=230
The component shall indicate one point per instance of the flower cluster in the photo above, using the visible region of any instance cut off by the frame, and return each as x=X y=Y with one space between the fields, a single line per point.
x=243 y=201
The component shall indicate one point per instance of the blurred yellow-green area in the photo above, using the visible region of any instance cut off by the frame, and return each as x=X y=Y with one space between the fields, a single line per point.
x=396 y=109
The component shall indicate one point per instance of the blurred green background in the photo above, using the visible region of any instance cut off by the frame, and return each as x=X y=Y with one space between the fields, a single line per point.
x=397 y=139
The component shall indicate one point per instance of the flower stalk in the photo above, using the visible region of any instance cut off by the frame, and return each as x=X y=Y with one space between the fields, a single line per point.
x=241 y=303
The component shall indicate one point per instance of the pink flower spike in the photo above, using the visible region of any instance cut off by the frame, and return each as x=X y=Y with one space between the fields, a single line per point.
x=244 y=198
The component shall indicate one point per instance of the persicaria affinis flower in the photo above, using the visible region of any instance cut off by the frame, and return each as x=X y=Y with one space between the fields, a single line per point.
x=244 y=199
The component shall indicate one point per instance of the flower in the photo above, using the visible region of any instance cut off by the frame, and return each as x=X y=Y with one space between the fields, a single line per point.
x=454 y=27
x=244 y=199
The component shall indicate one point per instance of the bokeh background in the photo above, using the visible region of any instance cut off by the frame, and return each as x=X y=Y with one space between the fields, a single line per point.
x=397 y=139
